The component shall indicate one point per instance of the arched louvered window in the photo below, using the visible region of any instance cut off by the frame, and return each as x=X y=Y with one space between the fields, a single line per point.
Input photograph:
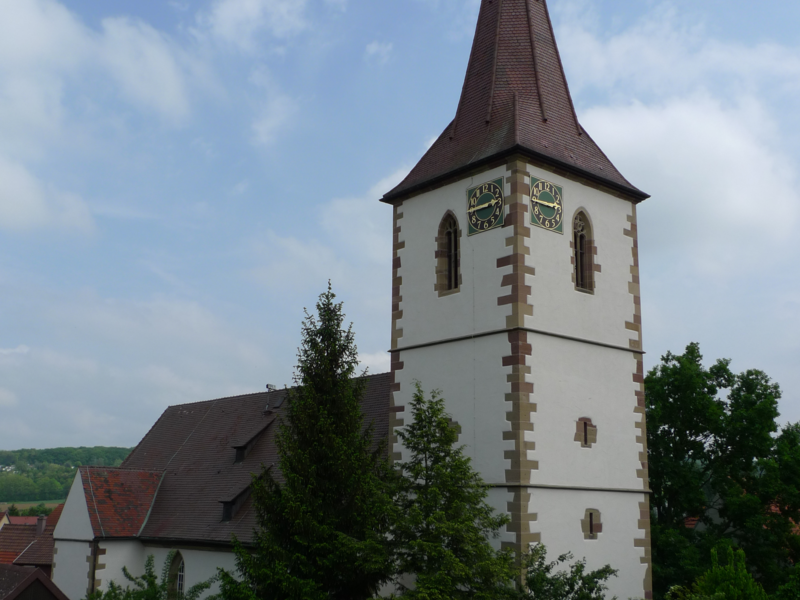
x=583 y=253
x=448 y=255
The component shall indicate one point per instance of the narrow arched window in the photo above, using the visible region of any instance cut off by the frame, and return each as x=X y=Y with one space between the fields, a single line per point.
x=177 y=576
x=448 y=274
x=583 y=253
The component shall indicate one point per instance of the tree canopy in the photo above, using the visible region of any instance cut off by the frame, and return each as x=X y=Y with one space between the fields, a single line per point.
x=717 y=455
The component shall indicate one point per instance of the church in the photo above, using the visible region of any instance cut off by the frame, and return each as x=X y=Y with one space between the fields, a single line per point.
x=515 y=291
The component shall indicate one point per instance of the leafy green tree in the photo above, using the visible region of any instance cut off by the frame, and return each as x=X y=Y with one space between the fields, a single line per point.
x=550 y=581
x=714 y=455
x=731 y=581
x=13 y=511
x=49 y=489
x=150 y=587
x=444 y=526
x=324 y=519
x=14 y=486
x=35 y=511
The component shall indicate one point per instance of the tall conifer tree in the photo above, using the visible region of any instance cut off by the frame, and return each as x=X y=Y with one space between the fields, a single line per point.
x=445 y=524
x=323 y=520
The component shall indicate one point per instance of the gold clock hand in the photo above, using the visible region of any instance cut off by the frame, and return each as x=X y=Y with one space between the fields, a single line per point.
x=491 y=202
x=543 y=203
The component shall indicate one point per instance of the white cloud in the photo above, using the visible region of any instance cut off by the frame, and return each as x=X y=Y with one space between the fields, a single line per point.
x=376 y=362
x=275 y=114
x=18 y=350
x=661 y=55
x=276 y=110
x=146 y=66
x=724 y=195
x=26 y=203
x=8 y=398
x=378 y=52
x=240 y=23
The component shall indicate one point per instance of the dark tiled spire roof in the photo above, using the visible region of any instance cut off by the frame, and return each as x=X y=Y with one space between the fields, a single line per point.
x=515 y=99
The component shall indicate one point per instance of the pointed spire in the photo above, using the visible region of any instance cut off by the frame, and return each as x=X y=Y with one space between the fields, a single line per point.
x=515 y=99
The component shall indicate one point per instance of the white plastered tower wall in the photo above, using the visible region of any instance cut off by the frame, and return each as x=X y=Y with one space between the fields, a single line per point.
x=521 y=355
x=72 y=551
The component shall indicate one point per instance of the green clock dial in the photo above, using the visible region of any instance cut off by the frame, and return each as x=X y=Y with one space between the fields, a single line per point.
x=547 y=210
x=485 y=206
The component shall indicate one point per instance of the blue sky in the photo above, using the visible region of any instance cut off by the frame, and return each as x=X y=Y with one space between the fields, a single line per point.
x=179 y=179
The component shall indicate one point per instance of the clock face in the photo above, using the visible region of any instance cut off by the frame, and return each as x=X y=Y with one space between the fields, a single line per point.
x=547 y=210
x=485 y=206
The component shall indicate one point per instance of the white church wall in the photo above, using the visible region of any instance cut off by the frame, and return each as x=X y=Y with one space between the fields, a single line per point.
x=73 y=535
x=71 y=567
x=574 y=380
x=119 y=554
x=426 y=316
x=199 y=564
x=474 y=396
x=558 y=306
x=74 y=523
x=559 y=521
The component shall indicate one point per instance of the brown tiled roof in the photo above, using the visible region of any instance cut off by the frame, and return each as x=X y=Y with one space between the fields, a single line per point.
x=195 y=445
x=27 y=582
x=39 y=552
x=515 y=99
x=22 y=520
x=11 y=577
x=13 y=541
x=118 y=499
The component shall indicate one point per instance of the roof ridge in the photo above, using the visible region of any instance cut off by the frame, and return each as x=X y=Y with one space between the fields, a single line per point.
x=129 y=469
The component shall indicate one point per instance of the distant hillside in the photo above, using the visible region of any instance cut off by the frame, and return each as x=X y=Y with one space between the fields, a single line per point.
x=35 y=475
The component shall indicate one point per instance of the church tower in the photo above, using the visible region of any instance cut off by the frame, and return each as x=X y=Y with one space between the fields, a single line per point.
x=516 y=293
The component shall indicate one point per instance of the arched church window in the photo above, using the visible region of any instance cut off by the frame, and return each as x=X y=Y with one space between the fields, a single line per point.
x=448 y=255
x=177 y=576
x=583 y=253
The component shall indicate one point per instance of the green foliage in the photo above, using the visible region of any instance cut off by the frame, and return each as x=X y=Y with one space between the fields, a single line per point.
x=550 y=581
x=444 y=526
x=150 y=587
x=714 y=454
x=35 y=475
x=791 y=589
x=731 y=581
x=324 y=519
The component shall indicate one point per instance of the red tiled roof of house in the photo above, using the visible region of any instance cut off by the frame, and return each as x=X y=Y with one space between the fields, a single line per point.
x=22 y=520
x=195 y=445
x=14 y=539
x=53 y=517
x=7 y=557
x=515 y=99
x=118 y=499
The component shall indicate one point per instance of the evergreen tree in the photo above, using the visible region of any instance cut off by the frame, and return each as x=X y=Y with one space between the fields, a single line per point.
x=444 y=522
x=324 y=518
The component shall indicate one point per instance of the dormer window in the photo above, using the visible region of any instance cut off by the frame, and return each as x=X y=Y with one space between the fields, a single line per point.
x=448 y=255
